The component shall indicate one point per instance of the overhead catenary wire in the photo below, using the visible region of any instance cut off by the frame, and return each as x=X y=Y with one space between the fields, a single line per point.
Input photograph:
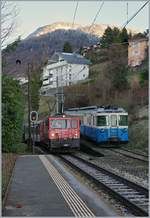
x=127 y=10
x=134 y=15
x=100 y=8
x=74 y=16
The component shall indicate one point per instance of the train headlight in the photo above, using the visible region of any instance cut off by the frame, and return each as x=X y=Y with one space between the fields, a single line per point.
x=52 y=134
x=76 y=135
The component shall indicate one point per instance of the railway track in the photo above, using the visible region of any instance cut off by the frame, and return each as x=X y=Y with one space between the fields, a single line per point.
x=130 y=194
x=121 y=151
x=131 y=154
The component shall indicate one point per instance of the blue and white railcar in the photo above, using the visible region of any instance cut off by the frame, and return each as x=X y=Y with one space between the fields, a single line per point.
x=103 y=124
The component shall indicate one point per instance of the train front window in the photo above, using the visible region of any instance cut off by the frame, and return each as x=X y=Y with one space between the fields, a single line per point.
x=123 y=120
x=58 y=124
x=74 y=124
x=113 y=120
x=102 y=121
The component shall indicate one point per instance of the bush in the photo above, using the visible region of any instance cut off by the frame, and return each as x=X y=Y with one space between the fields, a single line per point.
x=144 y=77
x=12 y=113
x=138 y=135
x=20 y=148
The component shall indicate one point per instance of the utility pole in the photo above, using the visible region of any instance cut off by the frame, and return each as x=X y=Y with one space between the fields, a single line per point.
x=57 y=97
x=62 y=99
x=29 y=106
x=62 y=93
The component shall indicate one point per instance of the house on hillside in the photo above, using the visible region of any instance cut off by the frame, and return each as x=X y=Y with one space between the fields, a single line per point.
x=22 y=80
x=137 y=49
x=64 y=69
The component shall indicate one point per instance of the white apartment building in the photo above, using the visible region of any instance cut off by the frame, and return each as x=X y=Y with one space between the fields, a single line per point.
x=22 y=80
x=64 y=69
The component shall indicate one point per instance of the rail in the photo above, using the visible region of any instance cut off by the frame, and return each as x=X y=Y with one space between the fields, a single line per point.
x=135 y=197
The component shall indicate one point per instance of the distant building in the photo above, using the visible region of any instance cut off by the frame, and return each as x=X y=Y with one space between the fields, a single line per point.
x=137 y=51
x=64 y=69
x=22 y=80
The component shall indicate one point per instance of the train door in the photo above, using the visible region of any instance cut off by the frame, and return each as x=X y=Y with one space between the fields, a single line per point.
x=42 y=131
x=46 y=127
x=113 y=126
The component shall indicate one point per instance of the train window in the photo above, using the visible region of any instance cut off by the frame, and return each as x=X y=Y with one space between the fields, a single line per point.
x=68 y=124
x=58 y=124
x=123 y=120
x=101 y=121
x=74 y=124
x=113 y=120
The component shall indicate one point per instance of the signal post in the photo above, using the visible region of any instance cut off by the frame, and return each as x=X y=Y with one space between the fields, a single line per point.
x=33 y=119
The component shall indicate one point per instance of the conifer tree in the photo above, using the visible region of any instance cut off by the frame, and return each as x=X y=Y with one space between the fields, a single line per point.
x=67 y=47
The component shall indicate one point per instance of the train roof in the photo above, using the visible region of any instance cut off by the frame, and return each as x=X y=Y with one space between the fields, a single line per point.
x=99 y=109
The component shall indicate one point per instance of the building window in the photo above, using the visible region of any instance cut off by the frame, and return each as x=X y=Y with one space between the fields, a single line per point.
x=46 y=78
x=134 y=44
x=135 y=52
x=50 y=75
x=83 y=75
x=69 y=76
x=61 y=60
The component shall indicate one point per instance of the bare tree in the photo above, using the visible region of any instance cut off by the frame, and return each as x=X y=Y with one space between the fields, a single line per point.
x=8 y=20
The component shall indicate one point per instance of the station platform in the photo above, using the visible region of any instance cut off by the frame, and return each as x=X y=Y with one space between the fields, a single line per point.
x=37 y=189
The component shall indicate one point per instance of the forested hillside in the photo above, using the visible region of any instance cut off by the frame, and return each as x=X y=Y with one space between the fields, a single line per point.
x=38 y=49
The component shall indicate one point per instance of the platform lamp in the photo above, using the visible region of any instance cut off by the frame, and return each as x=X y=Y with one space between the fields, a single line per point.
x=18 y=62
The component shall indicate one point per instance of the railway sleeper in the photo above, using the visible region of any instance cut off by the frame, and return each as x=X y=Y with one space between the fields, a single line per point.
x=106 y=178
x=135 y=208
x=144 y=204
x=137 y=196
x=123 y=189
x=112 y=183
x=137 y=199
x=101 y=177
x=120 y=185
x=126 y=193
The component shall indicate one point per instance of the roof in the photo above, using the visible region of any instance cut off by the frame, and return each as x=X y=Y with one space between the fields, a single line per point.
x=73 y=58
x=141 y=39
x=98 y=109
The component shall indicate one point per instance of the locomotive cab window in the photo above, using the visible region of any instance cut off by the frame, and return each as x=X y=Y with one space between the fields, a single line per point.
x=102 y=121
x=74 y=124
x=58 y=124
x=123 y=120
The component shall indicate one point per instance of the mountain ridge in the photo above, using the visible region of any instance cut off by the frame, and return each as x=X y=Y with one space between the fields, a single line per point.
x=42 y=43
x=96 y=29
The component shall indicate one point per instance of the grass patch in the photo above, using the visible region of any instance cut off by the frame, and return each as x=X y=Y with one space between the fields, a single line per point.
x=20 y=148
x=138 y=136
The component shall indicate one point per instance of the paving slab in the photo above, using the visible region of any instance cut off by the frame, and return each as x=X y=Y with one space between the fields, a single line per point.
x=32 y=192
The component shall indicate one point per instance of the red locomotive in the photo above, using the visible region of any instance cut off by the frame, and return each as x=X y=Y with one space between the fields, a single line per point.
x=58 y=133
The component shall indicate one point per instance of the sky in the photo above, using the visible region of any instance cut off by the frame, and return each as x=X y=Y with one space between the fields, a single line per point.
x=34 y=14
